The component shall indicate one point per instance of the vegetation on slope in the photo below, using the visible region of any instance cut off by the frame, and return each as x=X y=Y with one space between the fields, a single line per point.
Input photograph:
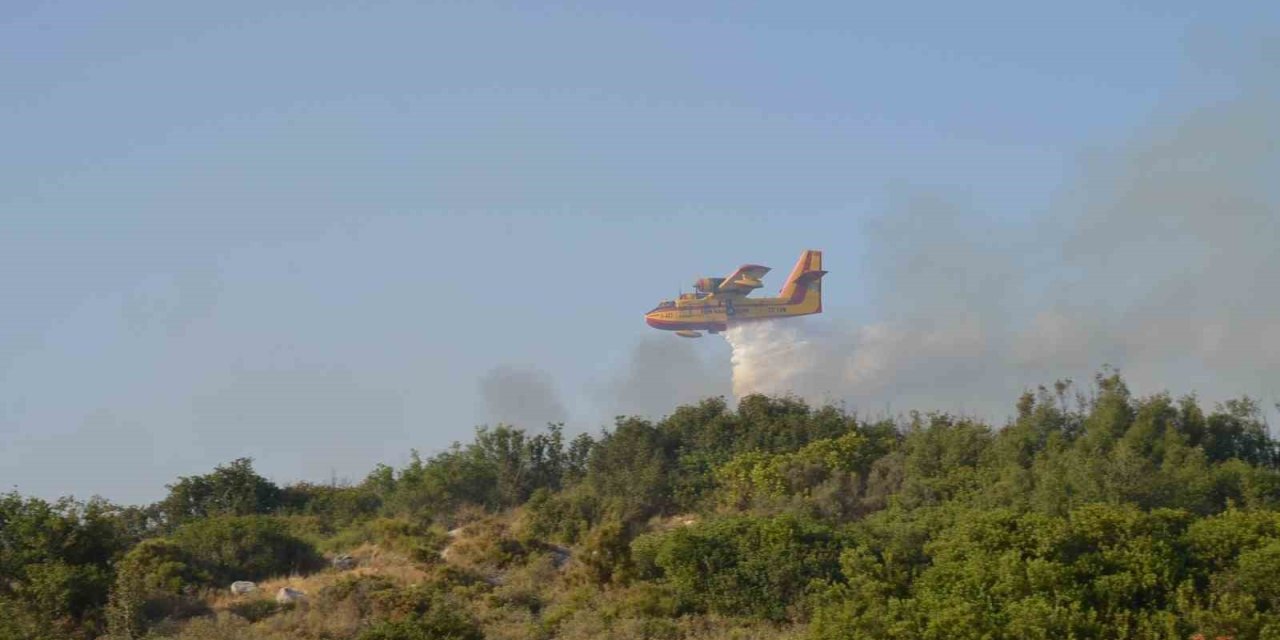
x=1092 y=514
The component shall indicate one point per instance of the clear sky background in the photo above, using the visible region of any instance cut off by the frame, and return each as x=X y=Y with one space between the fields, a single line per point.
x=321 y=234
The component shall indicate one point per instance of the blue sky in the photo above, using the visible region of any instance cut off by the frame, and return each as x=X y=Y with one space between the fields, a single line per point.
x=303 y=231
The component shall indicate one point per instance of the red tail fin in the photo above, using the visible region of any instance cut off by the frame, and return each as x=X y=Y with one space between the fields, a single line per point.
x=804 y=285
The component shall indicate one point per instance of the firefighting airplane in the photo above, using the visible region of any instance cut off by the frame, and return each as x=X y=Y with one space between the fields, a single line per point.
x=717 y=301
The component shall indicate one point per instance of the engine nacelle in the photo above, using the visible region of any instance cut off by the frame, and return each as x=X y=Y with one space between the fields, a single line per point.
x=707 y=285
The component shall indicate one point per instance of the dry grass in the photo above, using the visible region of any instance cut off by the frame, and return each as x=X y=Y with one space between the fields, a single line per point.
x=658 y=523
x=373 y=561
x=531 y=597
x=305 y=620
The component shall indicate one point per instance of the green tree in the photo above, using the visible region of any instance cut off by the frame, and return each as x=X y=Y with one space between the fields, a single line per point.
x=55 y=562
x=233 y=489
x=630 y=467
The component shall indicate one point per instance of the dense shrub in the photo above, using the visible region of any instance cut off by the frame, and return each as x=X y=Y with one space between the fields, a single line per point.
x=561 y=516
x=606 y=553
x=254 y=610
x=418 y=541
x=337 y=506
x=631 y=469
x=421 y=611
x=440 y=624
x=822 y=474
x=362 y=592
x=233 y=548
x=488 y=544
x=745 y=566
x=157 y=579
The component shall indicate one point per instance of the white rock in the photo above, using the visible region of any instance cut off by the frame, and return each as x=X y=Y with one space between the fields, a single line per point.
x=289 y=596
x=344 y=562
x=241 y=587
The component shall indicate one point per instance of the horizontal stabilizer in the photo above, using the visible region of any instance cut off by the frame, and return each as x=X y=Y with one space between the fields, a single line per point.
x=810 y=276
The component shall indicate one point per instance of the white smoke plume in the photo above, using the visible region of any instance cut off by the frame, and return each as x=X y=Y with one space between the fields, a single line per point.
x=773 y=358
x=1162 y=261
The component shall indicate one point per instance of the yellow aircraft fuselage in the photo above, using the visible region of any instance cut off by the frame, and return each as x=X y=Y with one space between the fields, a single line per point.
x=720 y=301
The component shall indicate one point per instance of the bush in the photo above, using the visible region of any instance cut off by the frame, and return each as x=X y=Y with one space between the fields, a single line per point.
x=153 y=581
x=487 y=544
x=420 y=542
x=368 y=595
x=561 y=517
x=440 y=623
x=746 y=566
x=377 y=597
x=254 y=610
x=233 y=548
x=337 y=506
x=412 y=613
x=160 y=565
x=606 y=554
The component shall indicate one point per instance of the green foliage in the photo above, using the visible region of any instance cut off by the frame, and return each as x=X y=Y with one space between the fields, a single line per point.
x=942 y=459
x=335 y=506
x=254 y=610
x=422 y=611
x=745 y=566
x=1236 y=430
x=501 y=468
x=233 y=489
x=562 y=516
x=488 y=544
x=418 y=541
x=155 y=580
x=55 y=563
x=161 y=565
x=441 y=624
x=1093 y=514
x=230 y=548
x=606 y=553
x=707 y=435
x=630 y=467
x=363 y=592
x=755 y=477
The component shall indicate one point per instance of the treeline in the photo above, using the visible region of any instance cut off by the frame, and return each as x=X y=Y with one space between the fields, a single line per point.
x=1091 y=514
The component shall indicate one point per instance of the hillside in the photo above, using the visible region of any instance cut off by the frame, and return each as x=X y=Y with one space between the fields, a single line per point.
x=1092 y=514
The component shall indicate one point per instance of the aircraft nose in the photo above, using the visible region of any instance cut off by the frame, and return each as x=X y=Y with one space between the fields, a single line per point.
x=648 y=319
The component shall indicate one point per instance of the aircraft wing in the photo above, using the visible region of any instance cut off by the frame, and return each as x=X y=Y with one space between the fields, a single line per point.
x=745 y=279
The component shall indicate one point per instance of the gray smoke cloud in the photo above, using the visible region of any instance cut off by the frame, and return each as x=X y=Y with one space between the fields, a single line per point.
x=521 y=396
x=1163 y=260
x=661 y=373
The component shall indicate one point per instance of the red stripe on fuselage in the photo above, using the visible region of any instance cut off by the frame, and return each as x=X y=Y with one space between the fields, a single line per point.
x=683 y=325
